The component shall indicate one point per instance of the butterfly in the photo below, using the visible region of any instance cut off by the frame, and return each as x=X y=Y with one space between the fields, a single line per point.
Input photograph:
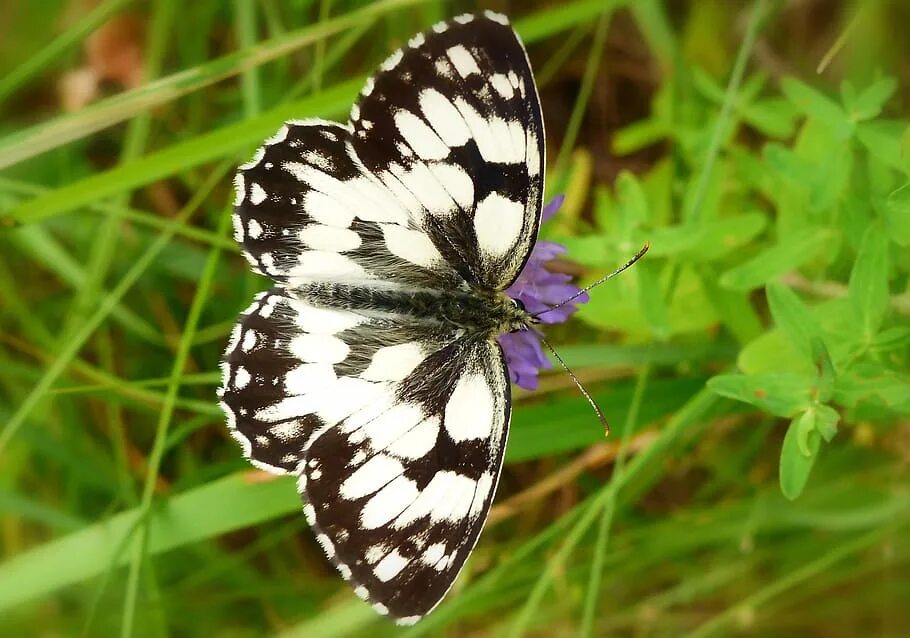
x=371 y=369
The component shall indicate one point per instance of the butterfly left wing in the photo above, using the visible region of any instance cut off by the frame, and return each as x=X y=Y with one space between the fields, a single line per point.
x=397 y=494
x=452 y=125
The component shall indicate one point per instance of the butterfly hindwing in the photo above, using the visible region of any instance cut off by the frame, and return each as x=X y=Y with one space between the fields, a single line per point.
x=398 y=492
x=294 y=367
x=452 y=125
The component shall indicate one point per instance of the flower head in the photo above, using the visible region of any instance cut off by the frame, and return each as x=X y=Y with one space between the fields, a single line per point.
x=538 y=289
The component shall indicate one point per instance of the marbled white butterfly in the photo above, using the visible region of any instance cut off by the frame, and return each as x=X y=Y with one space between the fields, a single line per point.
x=371 y=369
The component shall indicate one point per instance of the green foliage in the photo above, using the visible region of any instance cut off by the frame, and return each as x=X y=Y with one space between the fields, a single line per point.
x=754 y=365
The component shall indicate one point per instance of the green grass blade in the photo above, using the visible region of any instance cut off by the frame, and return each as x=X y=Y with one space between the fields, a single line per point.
x=72 y=346
x=13 y=80
x=22 y=145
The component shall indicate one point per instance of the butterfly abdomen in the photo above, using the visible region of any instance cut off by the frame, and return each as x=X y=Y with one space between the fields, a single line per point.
x=476 y=312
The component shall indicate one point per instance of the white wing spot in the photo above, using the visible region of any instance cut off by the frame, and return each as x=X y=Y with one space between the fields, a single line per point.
x=390 y=566
x=322 y=265
x=498 y=222
x=484 y=485
x=447 y=496
x=326 y=544
x=497 y=17
x=257 y=157
x=369 y=477
x=249 y=340
x=411 y=245
x=254 y=229
x=469 y=412
x=279 y=136
x=420 y=137
x=239 y=189
x=375 y=553
x=389 y=502
x=394 y=363
x=238 y=227
x=444 y=118
x=462 y=60
x=329 y=238
x=322 y=348
x=418 y=441
x=241 y=378
x=309 y=378
x=456 y=181
x=257 y=194
x=392 y=61
x=433 y=553
x=502 y=85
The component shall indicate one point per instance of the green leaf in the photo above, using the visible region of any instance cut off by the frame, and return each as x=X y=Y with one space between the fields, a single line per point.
x=869 y=103
x=825 y=366
x=787 y=164
x=818 y=106
x=783 y=257
x=782 y=394
x=798 y=454
x=873 y=383
x=774 y=117
x=638 y=135
x=631 y=204
x=868 y=289
x=732 y=307
x=882 y=138
x=792 y=317
x=892 y=339
x=652 y=299
x=709 y=240
x=826 y=421
x=897 y=215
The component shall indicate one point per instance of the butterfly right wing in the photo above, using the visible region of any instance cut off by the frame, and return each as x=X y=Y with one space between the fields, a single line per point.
x=306 y=209
x=396 y=429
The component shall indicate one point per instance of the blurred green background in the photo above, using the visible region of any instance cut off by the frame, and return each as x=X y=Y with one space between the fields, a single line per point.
x=754 y=364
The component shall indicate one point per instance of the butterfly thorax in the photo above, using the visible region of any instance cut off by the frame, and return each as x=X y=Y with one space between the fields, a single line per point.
x=475 y=311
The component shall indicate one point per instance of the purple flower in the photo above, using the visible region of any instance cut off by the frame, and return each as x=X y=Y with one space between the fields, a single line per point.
x=538 y=289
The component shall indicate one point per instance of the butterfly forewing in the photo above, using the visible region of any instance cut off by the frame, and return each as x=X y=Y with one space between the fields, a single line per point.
x=452 y=125
x=394 y=419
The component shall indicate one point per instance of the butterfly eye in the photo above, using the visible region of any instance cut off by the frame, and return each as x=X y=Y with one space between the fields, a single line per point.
x=518 y=303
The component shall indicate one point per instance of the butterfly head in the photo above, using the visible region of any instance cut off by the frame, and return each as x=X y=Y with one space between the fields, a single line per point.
x=523 y=317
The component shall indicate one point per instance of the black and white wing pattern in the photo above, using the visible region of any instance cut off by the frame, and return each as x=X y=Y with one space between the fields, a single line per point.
x=307 y=209
x=396 y=429
x=394 y=420
x=452 y=125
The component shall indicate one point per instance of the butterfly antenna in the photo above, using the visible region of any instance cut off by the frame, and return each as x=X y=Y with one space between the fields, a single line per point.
x=637 y=256
x=587 y=395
